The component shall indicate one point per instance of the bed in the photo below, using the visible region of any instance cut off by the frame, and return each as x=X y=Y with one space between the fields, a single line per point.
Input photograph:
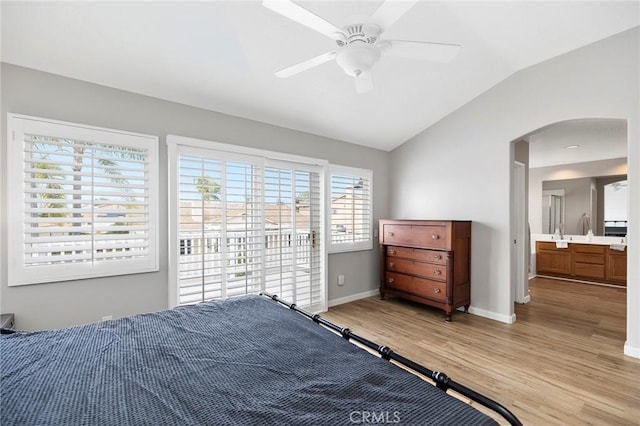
x=246 y=360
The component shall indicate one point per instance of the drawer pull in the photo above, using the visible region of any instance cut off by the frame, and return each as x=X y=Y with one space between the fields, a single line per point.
x=392 y=251
x=390 y=280
x=437 y=257
x=389 y=234
x=391 y=264
x=437 y=272
x=435 y=237
x=436 y=290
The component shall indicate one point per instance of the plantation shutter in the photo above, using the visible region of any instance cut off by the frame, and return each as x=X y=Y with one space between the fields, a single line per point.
x=351 y=209
x=246 y=224
x=293 y=248
x=220 y=223
x=84 y=198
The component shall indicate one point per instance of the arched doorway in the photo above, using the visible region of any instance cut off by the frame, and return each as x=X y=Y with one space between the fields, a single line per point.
x=600 y=159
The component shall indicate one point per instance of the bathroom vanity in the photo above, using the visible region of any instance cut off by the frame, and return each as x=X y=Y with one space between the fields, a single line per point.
x=603 y=263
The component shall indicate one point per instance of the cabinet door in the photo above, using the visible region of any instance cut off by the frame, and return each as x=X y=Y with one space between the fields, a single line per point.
x=589 y=270
x=618 y=268
x=553 y=262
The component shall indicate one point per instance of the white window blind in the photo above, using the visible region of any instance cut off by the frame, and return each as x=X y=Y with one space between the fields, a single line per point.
x=244 y=224
x=83 y=201
x=350 y=209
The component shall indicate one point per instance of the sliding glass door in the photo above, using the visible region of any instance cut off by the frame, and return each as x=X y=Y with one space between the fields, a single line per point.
x=246 y=224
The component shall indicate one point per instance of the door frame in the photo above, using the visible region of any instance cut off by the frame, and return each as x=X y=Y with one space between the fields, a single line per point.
x=520 y=237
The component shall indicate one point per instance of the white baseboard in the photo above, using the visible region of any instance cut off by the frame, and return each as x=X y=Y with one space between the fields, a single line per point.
x=508 y=319
x=631 y=351
x=353 y=297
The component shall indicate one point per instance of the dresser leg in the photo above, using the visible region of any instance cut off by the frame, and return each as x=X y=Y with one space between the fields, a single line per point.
x=448 y=315
x=381 y=294
x=466 y=308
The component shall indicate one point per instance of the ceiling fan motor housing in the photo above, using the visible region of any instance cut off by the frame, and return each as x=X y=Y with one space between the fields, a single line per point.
x=357 y=51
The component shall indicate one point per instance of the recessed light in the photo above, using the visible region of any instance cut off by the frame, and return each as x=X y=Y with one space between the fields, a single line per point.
x=571 y=146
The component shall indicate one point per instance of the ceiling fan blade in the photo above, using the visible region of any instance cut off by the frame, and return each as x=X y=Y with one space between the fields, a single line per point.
x=390 y=11
x=305 y=65
x=297 y=13
x=364 y=82
x=437 y=52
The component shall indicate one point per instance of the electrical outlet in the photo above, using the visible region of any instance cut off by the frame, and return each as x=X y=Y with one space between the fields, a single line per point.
x=340 y=279
x=107 y=318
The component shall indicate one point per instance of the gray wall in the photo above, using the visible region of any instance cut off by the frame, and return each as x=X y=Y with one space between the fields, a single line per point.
x=31 y=92
x=460 y=168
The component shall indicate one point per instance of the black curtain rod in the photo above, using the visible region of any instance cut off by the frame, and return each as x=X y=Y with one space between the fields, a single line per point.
x=442 y=381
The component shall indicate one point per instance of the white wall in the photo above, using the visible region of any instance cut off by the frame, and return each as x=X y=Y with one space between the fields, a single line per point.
x=32 y=92
x=615 y=206
x=612 y=167
x=460 y=168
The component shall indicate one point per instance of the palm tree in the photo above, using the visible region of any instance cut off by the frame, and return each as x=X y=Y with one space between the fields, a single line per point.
x=44 y=173
x=77 y=150
x=208 y=187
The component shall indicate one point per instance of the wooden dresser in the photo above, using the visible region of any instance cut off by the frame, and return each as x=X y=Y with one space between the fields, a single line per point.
x=426 y=261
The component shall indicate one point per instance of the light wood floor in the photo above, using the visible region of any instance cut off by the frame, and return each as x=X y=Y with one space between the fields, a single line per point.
x=561 y=363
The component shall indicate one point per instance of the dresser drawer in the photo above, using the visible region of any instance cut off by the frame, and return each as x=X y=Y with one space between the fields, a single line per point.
x=422 y=269
x=431 y=256
x=418 y=286
x=428 y=236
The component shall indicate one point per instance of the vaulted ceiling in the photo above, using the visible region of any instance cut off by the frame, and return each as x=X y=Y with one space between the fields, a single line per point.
x=222 y=56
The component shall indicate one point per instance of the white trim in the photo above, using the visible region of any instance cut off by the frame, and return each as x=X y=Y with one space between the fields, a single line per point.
x=519 y=260
x=507 y=319
x=178 y=145
x=11 y=115
x=333 y=248
x=578 y=281
x=173 y=257
x=631 y=351
x=353 y=298
x=239 y=149
x=17 y=273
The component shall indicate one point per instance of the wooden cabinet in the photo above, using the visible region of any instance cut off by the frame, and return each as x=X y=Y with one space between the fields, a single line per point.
x=589 y=262
x=552 y=260
x=426 y=261
x=617 y=267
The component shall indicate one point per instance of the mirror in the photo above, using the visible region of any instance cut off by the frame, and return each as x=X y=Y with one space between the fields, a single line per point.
x=573 y=206
x=553 y=211
x=615 y=209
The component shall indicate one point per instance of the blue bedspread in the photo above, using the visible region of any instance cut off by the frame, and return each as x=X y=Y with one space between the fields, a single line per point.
x=240 y=361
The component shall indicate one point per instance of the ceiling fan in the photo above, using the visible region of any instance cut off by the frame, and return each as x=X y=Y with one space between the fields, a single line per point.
x=359 y=43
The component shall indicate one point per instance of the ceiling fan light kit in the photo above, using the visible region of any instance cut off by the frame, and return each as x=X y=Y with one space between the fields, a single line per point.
x=357 y=57
x=359 y=45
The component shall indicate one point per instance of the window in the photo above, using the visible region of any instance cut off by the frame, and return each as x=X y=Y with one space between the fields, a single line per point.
x=83 y=201
x=253 y=220
x=351 y=209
